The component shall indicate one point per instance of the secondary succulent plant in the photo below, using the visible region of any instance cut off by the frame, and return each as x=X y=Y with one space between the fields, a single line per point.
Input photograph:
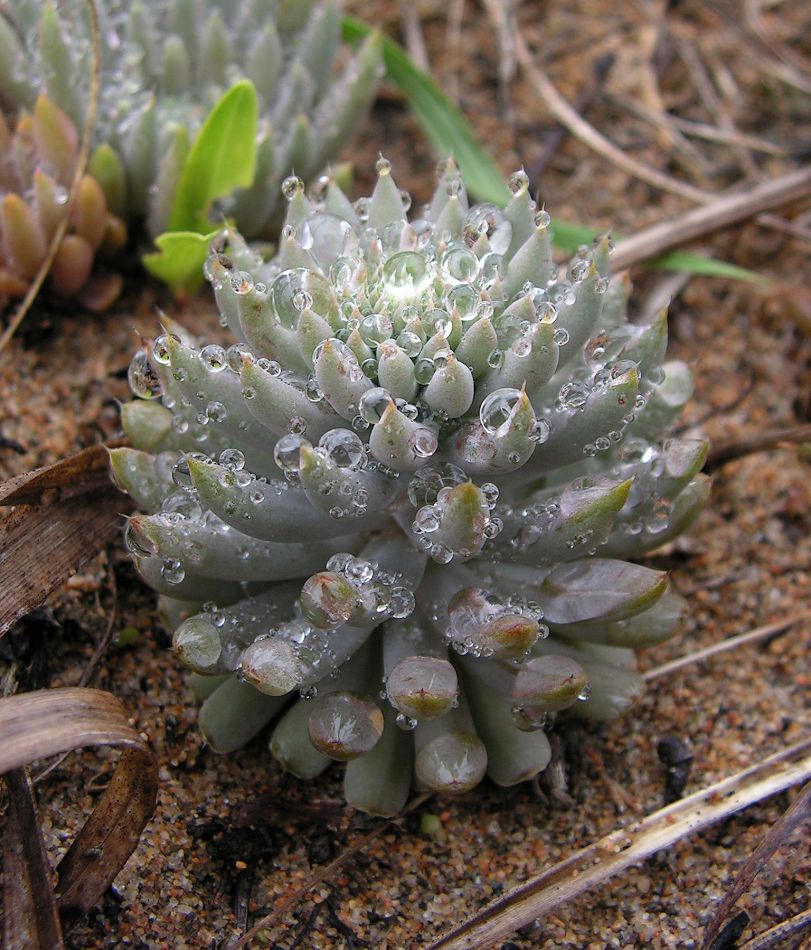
x=165 y=65
x=37 y=165
x=399 y=508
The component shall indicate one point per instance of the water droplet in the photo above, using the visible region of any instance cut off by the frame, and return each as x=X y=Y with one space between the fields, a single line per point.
x=540 y=431
x=518 y=181
x=358 y=569
x=172 y=570
x=383 y=166
x=496 y=409
x=459 y=264
x=343 y=447
x=144 y=381
x=375 y=328
x=543 y=219
x=292 y=186
x=284 y=292
x=406 y=274
x=409 y=343
x=233 y=459
x=464 y=299
x=573 y=395
x=423 y=442
x=373 y=403
x=287 y=453
x=160 y=348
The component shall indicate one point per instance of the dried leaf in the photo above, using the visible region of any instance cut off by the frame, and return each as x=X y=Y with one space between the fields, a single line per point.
x=615 y=852
x=40 y=547
x=798 y=812
x=47 y=722
x=31 y=918
x=86 y=471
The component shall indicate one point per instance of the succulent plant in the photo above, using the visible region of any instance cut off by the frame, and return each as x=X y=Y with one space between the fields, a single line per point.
x=37 y=165
x=398 y=509
x=165 y=65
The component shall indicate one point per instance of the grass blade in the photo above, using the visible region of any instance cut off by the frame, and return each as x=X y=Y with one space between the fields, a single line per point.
x=444 y=125
x=222 y=158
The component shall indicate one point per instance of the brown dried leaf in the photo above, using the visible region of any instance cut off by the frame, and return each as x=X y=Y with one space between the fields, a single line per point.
x=31 y=918
x=40 y=547
x=44 y=723
x=798 y=812
x=86 y=471
x=598 y=862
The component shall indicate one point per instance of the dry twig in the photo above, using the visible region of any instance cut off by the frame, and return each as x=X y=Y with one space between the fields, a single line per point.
x=724 y=452
x=720 y=213
x=730 y=643
x=797 y=813
x=615 y=852
x=595 y=140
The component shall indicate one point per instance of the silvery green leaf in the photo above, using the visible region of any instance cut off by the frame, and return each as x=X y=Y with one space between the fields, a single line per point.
x=234 y=713
x=339 y=377
x=137 y=473
x=193 y=586
x=225 y=554
x=572 y=429
x=561 y=526
x=395 y=371
x=278 y=404
x=664 y=620
x=613 y=681
x=291 y=747
x=450 y=389
x=380 y=781
x=329 y=487
x=600 y=588
x=478 y=342
x=665 y=402
x=685 y=508
x=531 y=263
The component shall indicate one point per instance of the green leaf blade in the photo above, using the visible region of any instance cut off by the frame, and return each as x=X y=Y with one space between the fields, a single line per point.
x=180 y=258
x=222 y=158
x=444 y=125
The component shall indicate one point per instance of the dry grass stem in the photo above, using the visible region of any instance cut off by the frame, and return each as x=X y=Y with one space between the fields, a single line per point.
x=724 y=452
x=713 y=103
x=453 y=47
x=777 y=937
x=586 y=133
x=414 y=38
x=78 y=174
x=795 y=815
x=720 y=213
x=553 y=139
x=701 y=130
x=731 y=643
x=622 y=848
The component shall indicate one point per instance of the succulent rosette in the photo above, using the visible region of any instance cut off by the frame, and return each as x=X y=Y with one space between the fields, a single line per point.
x=397 y=511
x=37 y=164
x=165 y=64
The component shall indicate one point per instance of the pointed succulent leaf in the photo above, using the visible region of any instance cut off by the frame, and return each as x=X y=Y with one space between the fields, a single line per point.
x=461 y=427
x=601 y=588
